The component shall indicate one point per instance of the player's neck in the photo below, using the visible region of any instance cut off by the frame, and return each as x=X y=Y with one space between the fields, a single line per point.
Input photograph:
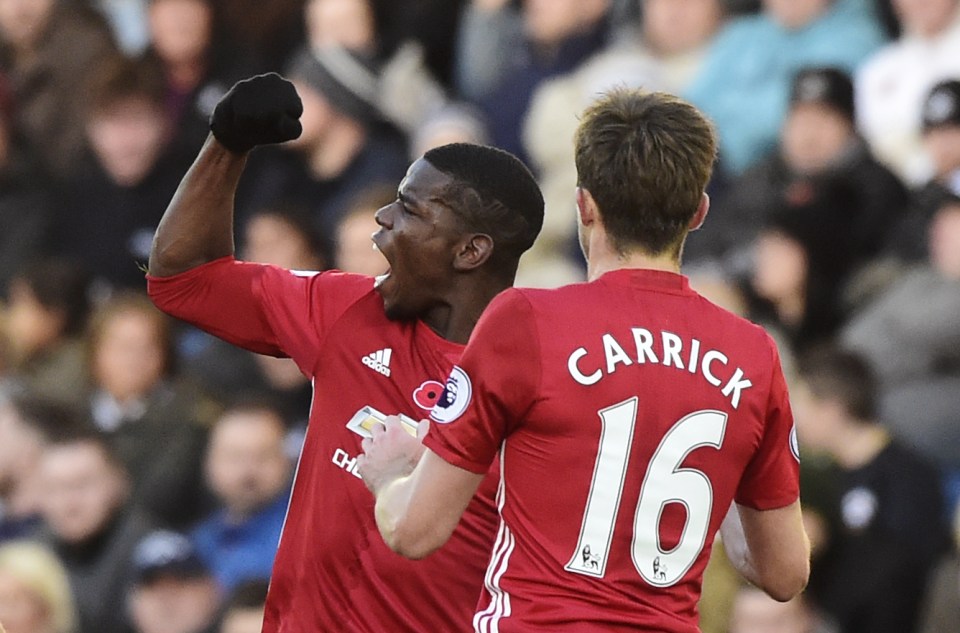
x=455 y=318
x=603 y=259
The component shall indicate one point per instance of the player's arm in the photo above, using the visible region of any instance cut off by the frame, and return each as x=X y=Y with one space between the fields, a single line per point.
x=769 y=548
x=197 y=226
x=416 y=511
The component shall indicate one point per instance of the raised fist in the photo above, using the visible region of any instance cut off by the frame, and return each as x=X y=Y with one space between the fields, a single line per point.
x=257 y=111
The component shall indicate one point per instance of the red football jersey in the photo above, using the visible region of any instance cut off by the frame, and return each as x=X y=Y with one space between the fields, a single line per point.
x=333 y=571
x=628 y=414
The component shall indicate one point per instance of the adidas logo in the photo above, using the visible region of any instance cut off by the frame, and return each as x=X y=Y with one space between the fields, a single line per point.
x=379 y=361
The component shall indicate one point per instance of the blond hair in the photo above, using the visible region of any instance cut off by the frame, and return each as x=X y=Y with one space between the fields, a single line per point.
x=39 y=570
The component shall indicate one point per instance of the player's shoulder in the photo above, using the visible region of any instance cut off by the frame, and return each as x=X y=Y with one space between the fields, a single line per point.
x=732 y=326
x=543 y=301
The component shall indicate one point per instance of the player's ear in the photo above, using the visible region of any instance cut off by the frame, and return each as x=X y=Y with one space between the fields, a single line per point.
x=473 y=252
x=586 y=207
x=701 y=215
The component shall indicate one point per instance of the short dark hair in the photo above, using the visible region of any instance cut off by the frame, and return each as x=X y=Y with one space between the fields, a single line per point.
x=496 y=195
x=646 y=158
x=62 y=285
x=119 y=79
x=254 y=404
x=833 y=373
x=87 y=433
x=248 y=594
x=50 y=419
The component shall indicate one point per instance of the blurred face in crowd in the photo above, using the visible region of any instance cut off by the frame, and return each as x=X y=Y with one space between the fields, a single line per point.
x=551 y=21
x=780 y=267
x=21 y=609
x=756 y=612
x=814 y=136
x=31 y=327
x=242 y=621
x=180 y=30
x=945 y=241
x=271 y=239
x=795 y=14
x=247 y=466
x=82 y=490
x=317 y=118
x=355 y=252
x=129 y=356
x=22 y=21
x=174 y=605
x=20 y=447
x=925 y=17
x=943 y=145
x=817 y=419
x=127 y=138
x=346 y=23
x=679 y=26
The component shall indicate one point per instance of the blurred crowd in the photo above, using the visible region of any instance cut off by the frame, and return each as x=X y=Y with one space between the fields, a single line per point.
x=145 y=466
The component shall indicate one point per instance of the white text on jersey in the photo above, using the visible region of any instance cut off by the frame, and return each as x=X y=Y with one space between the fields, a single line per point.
x=342 y=459
x=673 y=352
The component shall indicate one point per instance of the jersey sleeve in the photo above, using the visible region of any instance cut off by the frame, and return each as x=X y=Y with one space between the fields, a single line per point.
x=261 y=308
x=491 y=389
x=772 y=478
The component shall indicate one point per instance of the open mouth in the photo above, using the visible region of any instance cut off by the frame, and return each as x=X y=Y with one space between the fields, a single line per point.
x=379 y=279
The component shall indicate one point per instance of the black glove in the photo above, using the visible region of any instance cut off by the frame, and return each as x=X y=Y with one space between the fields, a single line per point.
x=257 y=111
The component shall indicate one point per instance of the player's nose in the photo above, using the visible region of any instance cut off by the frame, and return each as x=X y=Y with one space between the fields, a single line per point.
x=384 y=216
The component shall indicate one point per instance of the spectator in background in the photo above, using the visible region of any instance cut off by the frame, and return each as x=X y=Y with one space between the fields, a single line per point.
x=344 y=146
x=801 y=261
x=744 y=82
x=34 y=591
x=406 y=90
x=819 y=146
x=111 y=207
x=754 y=611
x=46 y=315
x=196 y=72
x=663 y=54
x=557 y=36
x=27 y=425
x=283 y=235
x=172 y=590
x=91 y=527
x=892 y=84
x=892 y=528
x=128 y=21
x=243 y=612
x=454 y=122
x=941 y=140
x=941 y=132
x=354 y=248
x=349 y=24
x=48 y=49
x=270 y=30
x=249 y=472
x=155 y=423
x=25 y=207
x=941 y=611
x=911 y=335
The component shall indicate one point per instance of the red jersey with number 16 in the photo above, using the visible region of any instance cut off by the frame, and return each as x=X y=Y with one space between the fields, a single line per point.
x=333 y=571
x=628 y=414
